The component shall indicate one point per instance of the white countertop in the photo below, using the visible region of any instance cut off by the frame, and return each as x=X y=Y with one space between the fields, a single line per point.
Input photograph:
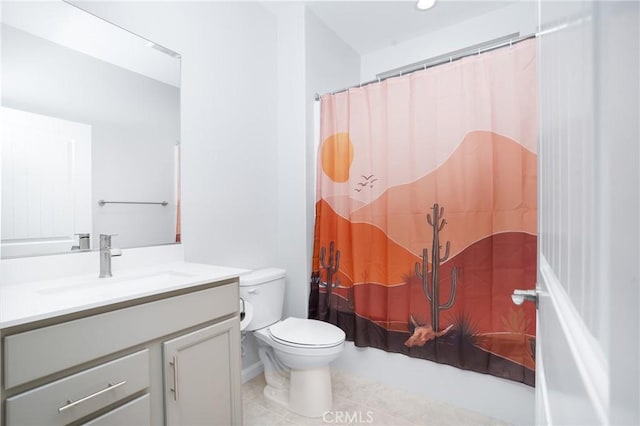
x=25 y=302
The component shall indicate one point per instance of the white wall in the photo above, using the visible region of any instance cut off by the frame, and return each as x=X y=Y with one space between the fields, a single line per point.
x=292 y=219
x=520 y=17
x=290 y=169
x=229 y=122
x=134 y=126
x=311 y=59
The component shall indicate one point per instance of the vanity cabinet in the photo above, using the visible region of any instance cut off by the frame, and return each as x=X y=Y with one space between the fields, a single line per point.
x=172 y=358
x=190 y=361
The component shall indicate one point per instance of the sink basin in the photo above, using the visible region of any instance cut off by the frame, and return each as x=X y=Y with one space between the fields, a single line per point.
x=152 y=278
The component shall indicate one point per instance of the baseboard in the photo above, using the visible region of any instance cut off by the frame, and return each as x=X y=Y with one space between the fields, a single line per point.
x=252 y=371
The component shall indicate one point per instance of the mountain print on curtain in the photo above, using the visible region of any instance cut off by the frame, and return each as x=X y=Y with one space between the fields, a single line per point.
x=426 y=213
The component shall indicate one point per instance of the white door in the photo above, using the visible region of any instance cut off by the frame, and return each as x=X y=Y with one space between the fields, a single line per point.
x=588 y=324
x=46 y=182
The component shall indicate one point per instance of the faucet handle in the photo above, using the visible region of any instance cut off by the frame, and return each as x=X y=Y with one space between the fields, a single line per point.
x=84 y=241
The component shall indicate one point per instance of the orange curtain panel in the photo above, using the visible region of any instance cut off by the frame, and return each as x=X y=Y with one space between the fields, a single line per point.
x=426 y=213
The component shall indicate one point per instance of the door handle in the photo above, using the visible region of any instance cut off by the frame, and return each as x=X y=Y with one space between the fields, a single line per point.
x=174 y=363
x=520 y=296
x=109 y=387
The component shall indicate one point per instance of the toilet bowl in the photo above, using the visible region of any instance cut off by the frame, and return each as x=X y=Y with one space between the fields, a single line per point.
x=295 y=352
x=303 y=343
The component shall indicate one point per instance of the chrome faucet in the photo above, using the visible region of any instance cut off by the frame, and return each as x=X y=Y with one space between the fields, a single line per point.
x=105 y=255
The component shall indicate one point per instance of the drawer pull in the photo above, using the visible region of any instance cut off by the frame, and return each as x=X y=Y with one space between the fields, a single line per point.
x=174 y=364
x=71 y=403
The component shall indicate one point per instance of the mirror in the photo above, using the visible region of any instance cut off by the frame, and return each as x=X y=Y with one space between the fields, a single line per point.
x=90 y=113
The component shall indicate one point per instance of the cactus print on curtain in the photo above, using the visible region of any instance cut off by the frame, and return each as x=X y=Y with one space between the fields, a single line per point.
x=426 y=213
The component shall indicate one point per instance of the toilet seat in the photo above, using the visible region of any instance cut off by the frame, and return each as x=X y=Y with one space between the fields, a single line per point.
x=306 y=333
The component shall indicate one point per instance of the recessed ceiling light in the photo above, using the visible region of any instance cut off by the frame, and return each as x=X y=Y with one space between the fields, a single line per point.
x=425 y=4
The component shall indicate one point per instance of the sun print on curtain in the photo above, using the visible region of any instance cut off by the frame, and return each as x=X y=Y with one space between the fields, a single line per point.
x=426 y=213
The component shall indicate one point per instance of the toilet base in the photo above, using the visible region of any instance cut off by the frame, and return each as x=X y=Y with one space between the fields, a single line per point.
x=310 y=392
x=304 y=392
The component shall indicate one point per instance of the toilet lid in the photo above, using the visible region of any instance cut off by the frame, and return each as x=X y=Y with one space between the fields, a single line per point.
x=307 y=332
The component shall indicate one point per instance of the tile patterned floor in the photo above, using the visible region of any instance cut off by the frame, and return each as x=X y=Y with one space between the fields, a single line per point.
x=359 y=401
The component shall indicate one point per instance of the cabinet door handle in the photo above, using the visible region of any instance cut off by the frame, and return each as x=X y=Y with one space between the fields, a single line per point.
x=109 y=387
x=174 y=364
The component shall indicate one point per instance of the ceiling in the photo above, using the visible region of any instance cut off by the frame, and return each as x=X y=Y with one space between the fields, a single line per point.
x=364 y=25
x=371 y=25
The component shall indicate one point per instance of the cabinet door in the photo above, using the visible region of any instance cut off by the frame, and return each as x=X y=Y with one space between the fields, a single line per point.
x=202 y=376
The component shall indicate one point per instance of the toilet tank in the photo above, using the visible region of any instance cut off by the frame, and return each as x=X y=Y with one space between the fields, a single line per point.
x=264 y=289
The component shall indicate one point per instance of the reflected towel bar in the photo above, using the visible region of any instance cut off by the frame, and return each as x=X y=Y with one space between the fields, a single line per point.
x=103 y=202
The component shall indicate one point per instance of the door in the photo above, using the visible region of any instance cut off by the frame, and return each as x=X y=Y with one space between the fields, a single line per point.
x=587 y=345
x=202 y=376
x=46 y=183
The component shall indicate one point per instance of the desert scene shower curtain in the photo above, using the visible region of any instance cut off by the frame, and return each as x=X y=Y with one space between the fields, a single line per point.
x=426 y=213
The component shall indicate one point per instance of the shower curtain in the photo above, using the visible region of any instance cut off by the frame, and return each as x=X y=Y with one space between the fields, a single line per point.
x=426 y=213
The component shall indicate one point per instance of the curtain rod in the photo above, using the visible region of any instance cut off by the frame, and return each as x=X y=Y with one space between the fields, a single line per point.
x=476 y=49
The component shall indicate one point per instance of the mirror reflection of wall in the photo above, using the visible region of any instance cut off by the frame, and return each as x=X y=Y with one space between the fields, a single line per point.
x=133 y=126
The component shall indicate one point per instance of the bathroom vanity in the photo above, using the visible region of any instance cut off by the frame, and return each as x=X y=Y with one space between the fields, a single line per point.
x=151 y=346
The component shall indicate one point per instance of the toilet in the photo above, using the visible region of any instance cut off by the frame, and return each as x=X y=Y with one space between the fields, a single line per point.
x=295 y=352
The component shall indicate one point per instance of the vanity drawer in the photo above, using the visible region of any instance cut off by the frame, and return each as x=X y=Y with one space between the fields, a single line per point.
x=43 y=351
x=136 y=412
x=69 y=399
